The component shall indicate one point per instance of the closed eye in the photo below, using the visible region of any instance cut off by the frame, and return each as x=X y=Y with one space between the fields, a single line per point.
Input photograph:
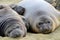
x=48 y=22
x=40 y=23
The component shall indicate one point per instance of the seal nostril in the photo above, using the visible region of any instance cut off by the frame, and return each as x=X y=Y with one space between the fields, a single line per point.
x=16 y=35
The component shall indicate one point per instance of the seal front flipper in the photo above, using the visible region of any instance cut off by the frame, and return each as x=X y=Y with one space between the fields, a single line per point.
x=19 y=9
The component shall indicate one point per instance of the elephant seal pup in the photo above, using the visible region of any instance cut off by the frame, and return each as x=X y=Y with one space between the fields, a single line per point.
x=41 y=16
x=11 y=24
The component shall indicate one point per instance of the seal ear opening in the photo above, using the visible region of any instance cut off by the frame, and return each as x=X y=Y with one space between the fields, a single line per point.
x=20 y=10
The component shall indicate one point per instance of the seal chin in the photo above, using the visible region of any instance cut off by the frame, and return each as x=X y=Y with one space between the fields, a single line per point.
x=46 y=31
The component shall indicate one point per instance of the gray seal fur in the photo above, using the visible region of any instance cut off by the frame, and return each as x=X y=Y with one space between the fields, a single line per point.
x=41 y=16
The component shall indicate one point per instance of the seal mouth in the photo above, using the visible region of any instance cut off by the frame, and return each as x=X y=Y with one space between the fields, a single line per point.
x=45 y=28
x=46 y=31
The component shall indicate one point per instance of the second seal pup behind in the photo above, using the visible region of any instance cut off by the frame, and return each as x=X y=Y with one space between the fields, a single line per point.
x=11 y=23
x=41 y=16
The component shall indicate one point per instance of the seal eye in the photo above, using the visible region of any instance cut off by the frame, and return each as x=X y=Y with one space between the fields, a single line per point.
x=40 y=23
x=17 y=27
x=48 y=22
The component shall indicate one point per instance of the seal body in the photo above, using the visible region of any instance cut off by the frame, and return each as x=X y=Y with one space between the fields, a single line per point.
x=41 y=16
x=11 y=24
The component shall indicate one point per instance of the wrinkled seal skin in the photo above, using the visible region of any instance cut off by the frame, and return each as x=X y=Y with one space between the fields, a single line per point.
x=41 y=16
x=11 y=24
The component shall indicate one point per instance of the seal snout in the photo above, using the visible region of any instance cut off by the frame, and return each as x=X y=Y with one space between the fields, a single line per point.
x=44 y=28
x=15 y=33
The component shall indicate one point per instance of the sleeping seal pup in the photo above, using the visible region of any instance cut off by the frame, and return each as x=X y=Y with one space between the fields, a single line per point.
x=11 y=24
x=41 y=16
